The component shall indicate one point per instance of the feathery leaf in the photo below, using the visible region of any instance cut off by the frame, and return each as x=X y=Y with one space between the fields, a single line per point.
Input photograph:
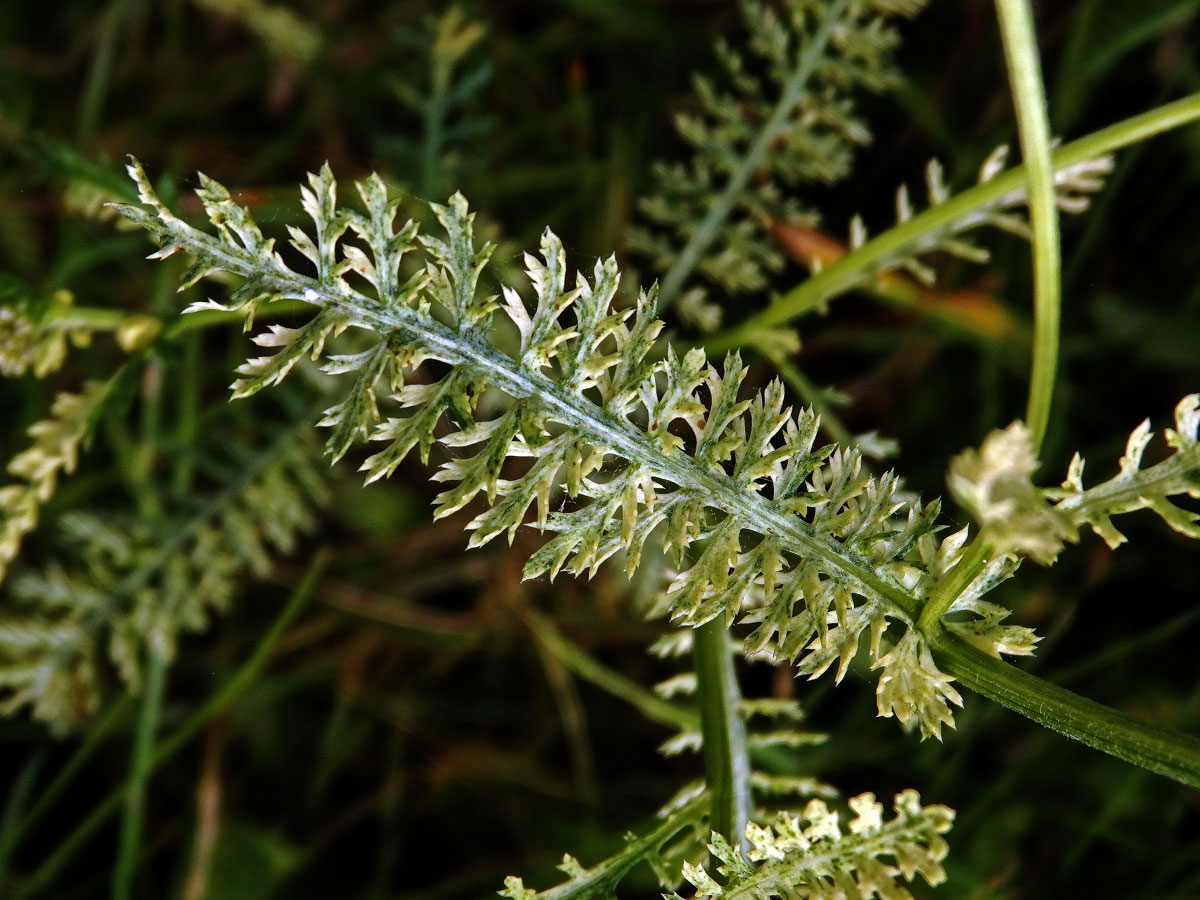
x=761 y=525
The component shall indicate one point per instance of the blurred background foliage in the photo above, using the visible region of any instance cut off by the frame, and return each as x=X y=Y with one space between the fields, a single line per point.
x=380 y=714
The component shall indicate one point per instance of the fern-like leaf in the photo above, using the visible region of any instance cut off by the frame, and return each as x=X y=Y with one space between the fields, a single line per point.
x=995 y=484
x=760 y=523
x=1134 y=488
x=781 y=114
x=55 y=451
x=810 y=855
x=1074 y=186
x=133 y=587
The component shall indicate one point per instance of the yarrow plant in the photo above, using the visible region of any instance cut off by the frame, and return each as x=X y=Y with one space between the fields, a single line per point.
x=763 y=526
x=559 y=403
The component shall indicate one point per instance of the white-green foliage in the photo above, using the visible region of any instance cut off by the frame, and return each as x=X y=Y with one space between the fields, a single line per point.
x=759 y=522
x=811 y=855
x=21 y=348
x=1134 y=488
x=1018 y=519
x=126 y=589
x=29 y=339
x=995 y=484
x=1074 y=186
x=781 y=114
x=54 y=452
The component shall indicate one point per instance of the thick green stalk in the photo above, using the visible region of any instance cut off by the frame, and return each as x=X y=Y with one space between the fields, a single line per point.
x=689 y=257
x=844 y=274
x=130 y=847
x=1168 y=753
x=1033 y=128
x=723 y=730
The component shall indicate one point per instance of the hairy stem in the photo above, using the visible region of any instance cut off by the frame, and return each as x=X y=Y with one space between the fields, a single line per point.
x=1033 y=127
x=1125 y=492
x=1174 y=755
x=724 y=202
x=844 y=274
x=726 y=759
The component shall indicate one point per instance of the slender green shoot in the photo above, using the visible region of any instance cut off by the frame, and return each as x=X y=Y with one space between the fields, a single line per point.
x=950 y=587
x=578 y=661
x=132 y=826
x=11 y=836
x=1033 y=127
x=14 y=807
x=1168 y=753
x=845 y=273
x=724 y=202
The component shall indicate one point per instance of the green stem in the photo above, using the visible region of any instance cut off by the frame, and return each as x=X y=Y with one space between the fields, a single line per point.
x=91 y=318
x=844 y=274
x=178 y=739
x=130 y=845
x=586 y=667
x=435 y=116
x=11 y=838
x=1168 y=753
x=952 y=585
x=723 y=204
x=1033 y=127
x=723 y=730
x=18 y=799
x=87 y=318
x=95 y=88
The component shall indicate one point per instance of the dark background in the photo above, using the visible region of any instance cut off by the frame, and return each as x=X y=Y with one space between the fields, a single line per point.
x=407 y=739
